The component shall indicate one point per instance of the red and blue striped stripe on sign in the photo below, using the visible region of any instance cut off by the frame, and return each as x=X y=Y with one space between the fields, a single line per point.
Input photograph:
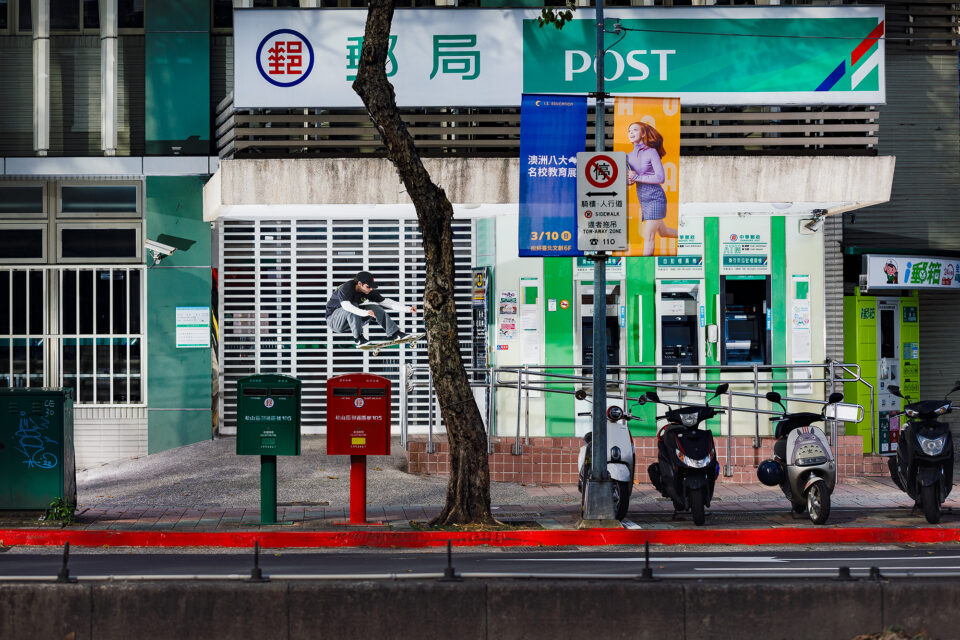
x=872 y=38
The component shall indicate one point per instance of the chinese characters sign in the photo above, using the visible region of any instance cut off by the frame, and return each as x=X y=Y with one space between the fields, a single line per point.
x=489 y=57
x=284 y=58
x=441 y=58
x=911 y=272
x=744 y=245
x=552 y=131
x=601 y=201
x=688 y=263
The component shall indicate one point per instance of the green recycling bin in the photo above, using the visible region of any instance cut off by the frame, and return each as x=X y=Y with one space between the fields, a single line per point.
x=37 y=463
x=268 y=425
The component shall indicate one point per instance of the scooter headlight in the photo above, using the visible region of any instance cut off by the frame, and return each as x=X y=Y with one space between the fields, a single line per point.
x=614 y=414
x=911 y=413
x=688 y=419
x=944 y=409
x=690 y=462
x=932 y=446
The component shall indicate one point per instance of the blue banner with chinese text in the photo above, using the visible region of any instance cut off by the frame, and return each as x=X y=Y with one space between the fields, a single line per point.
x=552 y=130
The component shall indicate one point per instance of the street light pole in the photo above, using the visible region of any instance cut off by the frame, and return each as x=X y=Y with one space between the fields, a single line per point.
x=598 y=492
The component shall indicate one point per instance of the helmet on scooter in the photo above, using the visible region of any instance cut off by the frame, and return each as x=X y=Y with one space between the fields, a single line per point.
x=769 y=473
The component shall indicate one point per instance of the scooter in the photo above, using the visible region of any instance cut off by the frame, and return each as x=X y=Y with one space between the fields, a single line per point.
x=803 y=463
x=620 y=457
x=923 y=466
x=686 y=469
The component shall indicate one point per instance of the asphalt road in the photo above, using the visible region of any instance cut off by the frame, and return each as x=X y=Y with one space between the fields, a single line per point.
x=586 y=564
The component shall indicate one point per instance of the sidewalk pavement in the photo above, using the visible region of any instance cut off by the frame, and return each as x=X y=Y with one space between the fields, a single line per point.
x=206 y=489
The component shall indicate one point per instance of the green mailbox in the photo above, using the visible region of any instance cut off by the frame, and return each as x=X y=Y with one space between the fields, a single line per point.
x=36 y=448
x=268 y=425
x=268 y=416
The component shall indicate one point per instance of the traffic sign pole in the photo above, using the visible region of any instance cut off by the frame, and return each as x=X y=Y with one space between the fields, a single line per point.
x=598 y=492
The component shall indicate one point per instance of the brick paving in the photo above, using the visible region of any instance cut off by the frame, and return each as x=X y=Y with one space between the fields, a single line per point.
x=859 y=502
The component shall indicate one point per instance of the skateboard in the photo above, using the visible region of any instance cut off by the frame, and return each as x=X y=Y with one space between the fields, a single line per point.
x=376 y=346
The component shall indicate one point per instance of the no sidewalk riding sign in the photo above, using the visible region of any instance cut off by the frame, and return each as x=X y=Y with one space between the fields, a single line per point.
x=602 y=201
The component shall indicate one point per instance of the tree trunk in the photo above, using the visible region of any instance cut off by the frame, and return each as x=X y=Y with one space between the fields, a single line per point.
x=468 y=493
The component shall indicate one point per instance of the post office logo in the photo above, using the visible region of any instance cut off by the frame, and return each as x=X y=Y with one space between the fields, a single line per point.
x=358 y=402
x=268 y=403
x=285 y=58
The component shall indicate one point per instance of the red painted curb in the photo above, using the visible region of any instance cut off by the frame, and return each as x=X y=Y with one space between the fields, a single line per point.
x=421 y=539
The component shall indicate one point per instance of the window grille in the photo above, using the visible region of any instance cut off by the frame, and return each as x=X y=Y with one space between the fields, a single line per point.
x=77 y=327
x=276 y=278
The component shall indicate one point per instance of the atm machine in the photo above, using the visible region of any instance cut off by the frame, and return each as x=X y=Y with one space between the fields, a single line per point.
x=615 y=326
x=680 y=326
x=745 y=317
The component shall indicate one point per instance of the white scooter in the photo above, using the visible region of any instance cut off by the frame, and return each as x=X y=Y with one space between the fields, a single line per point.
x=620 y=457
x=803 y=463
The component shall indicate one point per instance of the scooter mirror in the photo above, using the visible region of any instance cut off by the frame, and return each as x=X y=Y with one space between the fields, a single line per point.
x=895 y=390
x=773 y=396
x=580 y=394
x=722 y=389
x=956 y=387
x=652 y=396
x=835 y=397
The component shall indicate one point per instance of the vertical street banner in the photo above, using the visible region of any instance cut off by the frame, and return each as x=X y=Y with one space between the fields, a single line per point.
x=552 y=130
x=648 y=131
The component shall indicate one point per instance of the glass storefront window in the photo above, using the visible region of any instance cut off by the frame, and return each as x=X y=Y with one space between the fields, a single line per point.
x=21 y=244
x=21 y=200
x=130 y=14
x=92 y=243
x=91 y=14
x=24 y=23
x=92 y=199
x=64 y=15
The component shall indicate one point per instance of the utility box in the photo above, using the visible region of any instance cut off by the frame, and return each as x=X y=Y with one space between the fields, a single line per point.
x=358 y=415
x=268 y=415
x=37 y=463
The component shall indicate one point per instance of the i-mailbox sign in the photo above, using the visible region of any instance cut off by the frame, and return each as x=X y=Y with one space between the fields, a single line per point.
x=602 y=201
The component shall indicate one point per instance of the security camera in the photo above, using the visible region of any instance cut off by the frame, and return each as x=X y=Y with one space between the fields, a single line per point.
x=159 y=250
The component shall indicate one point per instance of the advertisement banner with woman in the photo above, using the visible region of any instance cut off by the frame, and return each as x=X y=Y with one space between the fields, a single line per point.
x=648 y=130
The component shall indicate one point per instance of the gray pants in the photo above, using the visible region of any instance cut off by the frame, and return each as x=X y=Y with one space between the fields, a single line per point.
x=342 y=321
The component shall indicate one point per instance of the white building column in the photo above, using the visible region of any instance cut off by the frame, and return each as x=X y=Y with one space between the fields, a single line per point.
x=41 y=75
x=109 y=73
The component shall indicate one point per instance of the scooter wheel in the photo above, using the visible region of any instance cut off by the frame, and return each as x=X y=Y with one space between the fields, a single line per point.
x=697 y=507
x=621 y=499
x=931 y=505
x=818 y=502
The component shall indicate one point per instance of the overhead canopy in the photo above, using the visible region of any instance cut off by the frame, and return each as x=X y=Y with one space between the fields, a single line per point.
x=711 y=185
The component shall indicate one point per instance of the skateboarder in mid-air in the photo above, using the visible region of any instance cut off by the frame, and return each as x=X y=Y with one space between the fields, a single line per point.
x=356 y=303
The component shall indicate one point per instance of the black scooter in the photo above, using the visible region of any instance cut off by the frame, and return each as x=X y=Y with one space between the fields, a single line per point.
x=923 y=466
x=686 y=469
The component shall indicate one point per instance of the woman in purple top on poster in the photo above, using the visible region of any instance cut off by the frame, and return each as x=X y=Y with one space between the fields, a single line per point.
x=645 y=169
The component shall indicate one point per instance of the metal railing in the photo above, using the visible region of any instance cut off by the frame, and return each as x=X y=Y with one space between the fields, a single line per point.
x=525 y=378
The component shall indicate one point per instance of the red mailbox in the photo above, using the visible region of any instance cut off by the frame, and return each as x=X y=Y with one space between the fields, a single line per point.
x=358 y=415
x=358 y=425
